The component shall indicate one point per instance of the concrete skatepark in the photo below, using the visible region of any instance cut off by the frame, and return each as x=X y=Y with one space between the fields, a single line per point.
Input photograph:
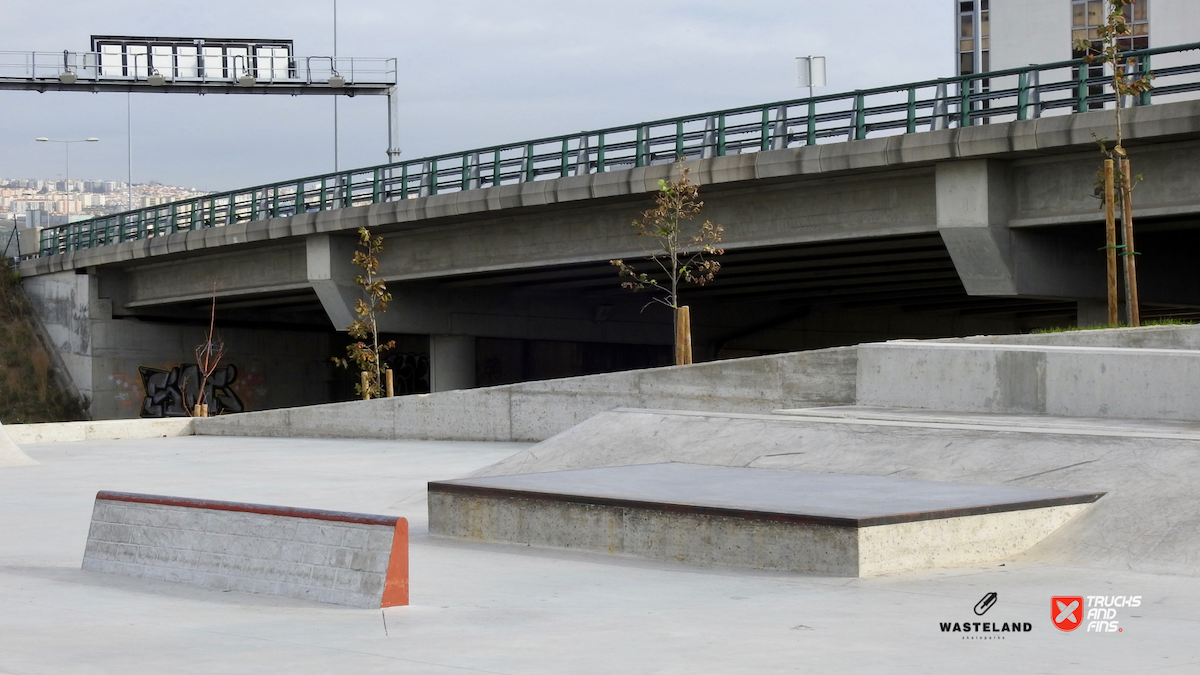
x=1048 y=414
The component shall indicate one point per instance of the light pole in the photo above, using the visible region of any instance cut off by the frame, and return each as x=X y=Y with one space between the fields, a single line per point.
x=335 y=98
x=67 y=145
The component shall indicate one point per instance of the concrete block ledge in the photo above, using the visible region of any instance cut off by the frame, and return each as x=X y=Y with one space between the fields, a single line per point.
x=816 y=523
x=1145 y=384
x=354 y=559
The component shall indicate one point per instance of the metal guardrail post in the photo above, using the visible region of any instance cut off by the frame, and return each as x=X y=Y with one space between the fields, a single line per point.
x=473 y=176
x=527 y=175
x=721 y=135
x=1144 y=97
x=1022 y=96
x=583 y=158
x=1081 y=92
x=764 y=133
x=564 y=158
x=679 y=154
x=911 y=111
x=940 y=117
x=860 y=117
x=1035 y=86
x=779 y=138
x=964 y=103
x=637 y=149
x=433 y=176
x=810 y=137
x=600 y=153
x=708 y=148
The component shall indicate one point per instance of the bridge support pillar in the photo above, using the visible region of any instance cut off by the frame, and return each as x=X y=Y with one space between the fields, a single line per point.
x=331 y=273
x=451 y=362
x=975 y=201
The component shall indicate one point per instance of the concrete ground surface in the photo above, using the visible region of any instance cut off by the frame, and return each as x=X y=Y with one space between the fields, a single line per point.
x=505 y=609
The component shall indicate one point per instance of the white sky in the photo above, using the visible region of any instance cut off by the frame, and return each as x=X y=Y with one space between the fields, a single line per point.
x=472 y=73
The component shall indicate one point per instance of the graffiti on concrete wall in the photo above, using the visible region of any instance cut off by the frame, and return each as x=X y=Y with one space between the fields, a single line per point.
x=171 y=393
x=411 y=372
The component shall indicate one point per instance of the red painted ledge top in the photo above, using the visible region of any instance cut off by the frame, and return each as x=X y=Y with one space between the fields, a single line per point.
x=214 y=505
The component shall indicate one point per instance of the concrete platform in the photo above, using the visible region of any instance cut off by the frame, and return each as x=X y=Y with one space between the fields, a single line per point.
x=822 y=523
x=488 y=608
x=1149 y=521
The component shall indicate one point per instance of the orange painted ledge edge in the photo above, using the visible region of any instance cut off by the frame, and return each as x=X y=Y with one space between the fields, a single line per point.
x=395 y=585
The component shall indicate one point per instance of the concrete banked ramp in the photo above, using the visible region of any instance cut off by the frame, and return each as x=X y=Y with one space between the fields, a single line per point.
x=1149 y=521
x=10 y=454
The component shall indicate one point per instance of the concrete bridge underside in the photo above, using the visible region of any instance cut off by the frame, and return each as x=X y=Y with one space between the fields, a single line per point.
x=986 y=229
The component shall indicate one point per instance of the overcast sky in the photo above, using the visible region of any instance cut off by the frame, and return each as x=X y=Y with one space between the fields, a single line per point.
x=472 y=73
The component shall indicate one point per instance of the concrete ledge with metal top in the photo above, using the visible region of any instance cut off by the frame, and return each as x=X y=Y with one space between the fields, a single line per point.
x=352 y=559
x=833 y=524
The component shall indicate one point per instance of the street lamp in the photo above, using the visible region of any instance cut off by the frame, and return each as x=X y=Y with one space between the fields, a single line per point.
x=67 y=145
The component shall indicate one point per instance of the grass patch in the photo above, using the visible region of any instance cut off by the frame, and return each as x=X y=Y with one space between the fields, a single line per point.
x=1146 y=324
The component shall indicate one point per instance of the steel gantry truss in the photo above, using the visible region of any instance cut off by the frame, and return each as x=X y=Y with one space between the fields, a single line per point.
x=157 y=69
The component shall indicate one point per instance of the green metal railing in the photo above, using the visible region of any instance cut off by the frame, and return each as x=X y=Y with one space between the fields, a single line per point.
x=1065 y=87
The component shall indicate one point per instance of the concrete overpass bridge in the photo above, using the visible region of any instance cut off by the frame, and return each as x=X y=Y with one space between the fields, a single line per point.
x=939 y=208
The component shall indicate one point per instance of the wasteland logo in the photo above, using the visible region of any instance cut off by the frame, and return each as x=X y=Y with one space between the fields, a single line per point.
x=985 y=630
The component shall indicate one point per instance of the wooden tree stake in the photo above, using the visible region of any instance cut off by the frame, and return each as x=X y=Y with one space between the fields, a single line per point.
x=365 y=380
x=1131 y=290
x=391 y=388
x=1110 y=240
x=683 y=336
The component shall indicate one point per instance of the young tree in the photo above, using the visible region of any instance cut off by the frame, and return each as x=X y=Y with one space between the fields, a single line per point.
x=1115 y=182
x=367 y=353
x=683 y=254
x=208 y=358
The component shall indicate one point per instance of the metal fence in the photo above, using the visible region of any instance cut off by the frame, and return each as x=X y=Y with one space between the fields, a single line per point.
x=1061 y=88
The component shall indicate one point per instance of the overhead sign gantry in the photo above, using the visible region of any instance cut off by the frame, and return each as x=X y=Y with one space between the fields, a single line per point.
x=175 y=65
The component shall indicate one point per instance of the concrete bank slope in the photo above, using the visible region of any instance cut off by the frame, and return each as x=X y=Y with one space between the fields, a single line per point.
x=10 y=454
x=1149 y=521
x=534 y=411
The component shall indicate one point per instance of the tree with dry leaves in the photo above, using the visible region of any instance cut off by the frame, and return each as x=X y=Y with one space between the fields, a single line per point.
x=1115 y=180
x=367 y=353
x=682 y=253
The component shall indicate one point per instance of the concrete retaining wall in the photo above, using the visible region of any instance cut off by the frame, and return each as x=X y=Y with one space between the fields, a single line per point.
x=341 y=558
x=101 y=353
x=533 y=411
x=1161 y=384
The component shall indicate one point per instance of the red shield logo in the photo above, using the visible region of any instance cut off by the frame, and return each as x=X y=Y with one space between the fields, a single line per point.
x=1066 y=611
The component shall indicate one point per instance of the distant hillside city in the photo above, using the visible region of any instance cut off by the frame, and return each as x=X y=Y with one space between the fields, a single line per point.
x=36 y=202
